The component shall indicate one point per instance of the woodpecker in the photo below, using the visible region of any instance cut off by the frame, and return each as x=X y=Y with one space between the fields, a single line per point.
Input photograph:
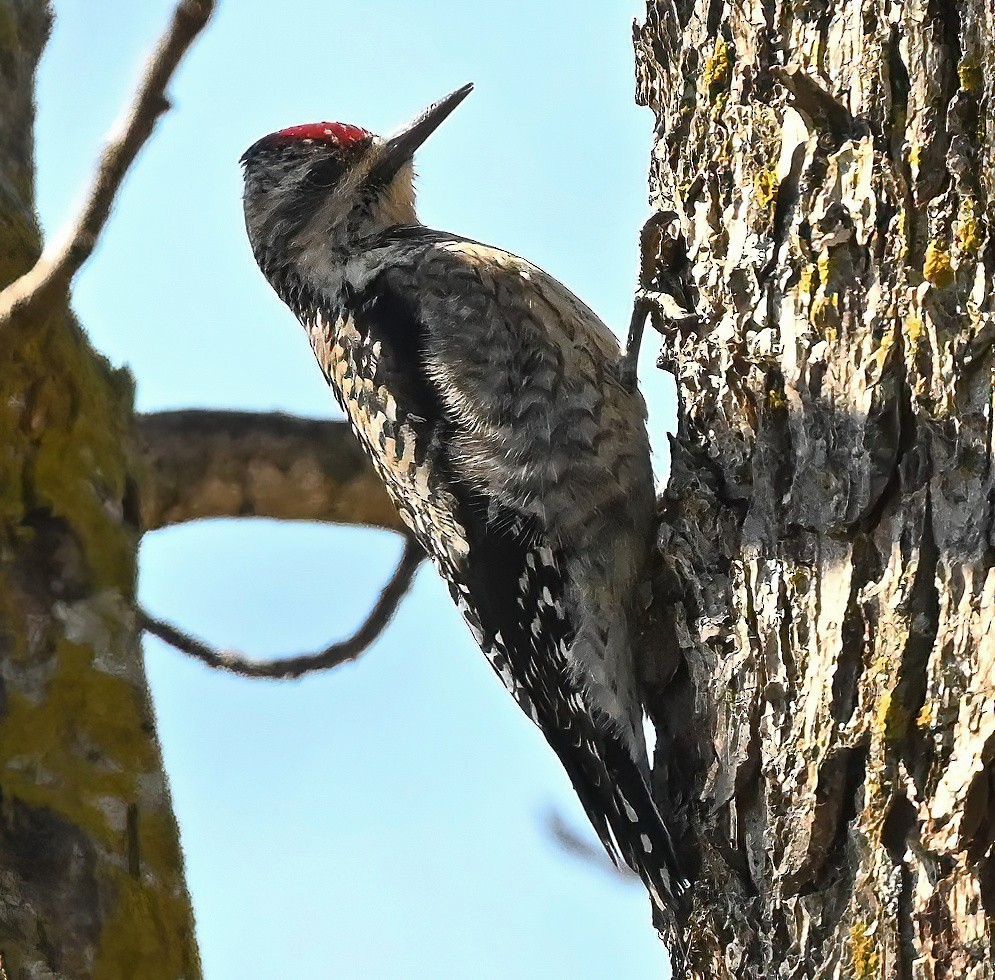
x=489 y=399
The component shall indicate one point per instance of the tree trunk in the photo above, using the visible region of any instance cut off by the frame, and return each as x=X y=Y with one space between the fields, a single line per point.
x=821 y=269
x=91 y=880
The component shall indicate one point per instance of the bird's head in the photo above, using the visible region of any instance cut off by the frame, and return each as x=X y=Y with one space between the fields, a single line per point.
x=332 y=183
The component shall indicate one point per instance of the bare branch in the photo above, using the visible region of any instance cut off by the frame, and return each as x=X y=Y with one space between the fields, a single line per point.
x=200 y=464
x=291 y=667
x=53 y=272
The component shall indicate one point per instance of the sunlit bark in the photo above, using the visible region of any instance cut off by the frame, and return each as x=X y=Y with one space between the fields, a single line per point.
x=821 y=268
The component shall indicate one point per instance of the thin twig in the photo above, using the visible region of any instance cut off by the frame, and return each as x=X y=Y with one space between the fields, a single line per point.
x=54 y=271
x=290 y=667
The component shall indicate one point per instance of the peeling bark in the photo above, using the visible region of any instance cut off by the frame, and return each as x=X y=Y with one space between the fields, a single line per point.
x=821 y=269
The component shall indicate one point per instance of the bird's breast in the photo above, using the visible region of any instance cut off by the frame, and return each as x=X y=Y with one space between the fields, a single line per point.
x=349 y=358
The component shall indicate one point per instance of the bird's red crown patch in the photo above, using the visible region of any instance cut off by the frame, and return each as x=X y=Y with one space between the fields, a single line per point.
x=326 y=132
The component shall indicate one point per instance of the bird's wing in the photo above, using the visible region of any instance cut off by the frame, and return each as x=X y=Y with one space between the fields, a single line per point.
x=504 y=571
x=503 y=575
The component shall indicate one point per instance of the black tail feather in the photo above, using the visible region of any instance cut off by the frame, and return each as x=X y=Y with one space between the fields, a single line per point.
x=614 y=793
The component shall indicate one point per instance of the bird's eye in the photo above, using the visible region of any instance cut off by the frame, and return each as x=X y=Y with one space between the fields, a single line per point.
x=325 y=172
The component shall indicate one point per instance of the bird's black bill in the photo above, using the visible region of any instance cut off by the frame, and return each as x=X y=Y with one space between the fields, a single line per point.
x=401 y=148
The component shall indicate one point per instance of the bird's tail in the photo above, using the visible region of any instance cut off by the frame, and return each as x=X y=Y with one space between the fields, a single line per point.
x=617 y=799
x=616 y=796
x=639 y=832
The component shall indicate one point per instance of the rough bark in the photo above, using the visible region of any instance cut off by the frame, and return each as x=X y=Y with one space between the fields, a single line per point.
x=91 y=879
x=821 y=268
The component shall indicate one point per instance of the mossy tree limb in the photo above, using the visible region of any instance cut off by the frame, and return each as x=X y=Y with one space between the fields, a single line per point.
x=199 y=464
x=825 y=688
x=91 y=878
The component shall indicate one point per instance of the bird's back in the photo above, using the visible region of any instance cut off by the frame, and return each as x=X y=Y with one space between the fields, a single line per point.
x=495 y=383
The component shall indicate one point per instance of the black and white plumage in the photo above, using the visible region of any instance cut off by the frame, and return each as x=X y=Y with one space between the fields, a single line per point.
x=488 y=398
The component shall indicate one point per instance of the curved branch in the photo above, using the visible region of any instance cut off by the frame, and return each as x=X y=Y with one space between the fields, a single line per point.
x=291 y=667
x=54 y=271
x=200 y=464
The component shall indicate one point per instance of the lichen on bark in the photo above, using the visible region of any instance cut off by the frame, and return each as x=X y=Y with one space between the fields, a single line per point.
x=828 y=731
x=91 y=879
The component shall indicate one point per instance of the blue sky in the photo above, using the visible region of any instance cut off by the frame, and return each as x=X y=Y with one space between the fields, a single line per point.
x=385 y=820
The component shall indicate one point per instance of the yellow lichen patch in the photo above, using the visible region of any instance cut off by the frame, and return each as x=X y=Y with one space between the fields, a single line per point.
x=776 y=401
x=77 y=744
x=16 y=641
x=892 y=718
x=19 y=235
x=864 y=950
x=914 y=329
x=884 y=704
x=936 y=267
x=825 y=315
x=693 y=507
x=765 y=187
x=718 y=107
x=882 y=353
x=79 y=470
x=823 y=267
x=969 y=227
x=158 y=846
x=924 y=720
x=718 y=67
x=806 y=280
x=147 y=934
x=970 y=75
